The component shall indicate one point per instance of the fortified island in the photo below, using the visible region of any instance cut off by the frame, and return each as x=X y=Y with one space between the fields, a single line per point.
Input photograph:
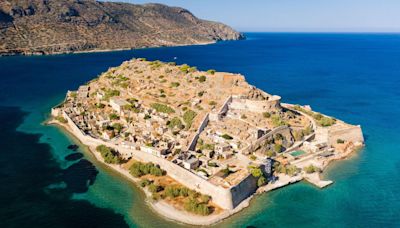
x=201 y=144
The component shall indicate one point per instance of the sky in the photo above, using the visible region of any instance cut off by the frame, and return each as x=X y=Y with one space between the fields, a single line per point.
x=296 y=15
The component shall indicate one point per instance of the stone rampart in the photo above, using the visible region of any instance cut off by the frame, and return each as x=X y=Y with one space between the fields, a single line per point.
x=349 y=133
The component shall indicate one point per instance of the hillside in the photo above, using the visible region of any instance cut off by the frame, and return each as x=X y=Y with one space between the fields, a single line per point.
x=64 y=26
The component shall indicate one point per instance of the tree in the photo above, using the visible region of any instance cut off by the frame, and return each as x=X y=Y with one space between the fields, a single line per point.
x=153 y=188
x=311 y=169
x=256 y=171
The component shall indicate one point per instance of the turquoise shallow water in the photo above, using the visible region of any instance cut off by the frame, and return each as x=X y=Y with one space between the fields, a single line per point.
x=354 y=77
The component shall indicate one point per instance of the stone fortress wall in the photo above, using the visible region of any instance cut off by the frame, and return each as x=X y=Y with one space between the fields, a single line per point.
x=243 y=103
x=226 y=198
x=349 y=133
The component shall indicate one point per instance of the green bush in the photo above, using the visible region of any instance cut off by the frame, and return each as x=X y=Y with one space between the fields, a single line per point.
x=188 y=117
x=256 y=171
x=278 y=148
x=211 y=71
x=117 y=126
x=340 y=141
x=162 y=108
x=175 y=84
x=153 y=188
x=205 y=199
x=311 y=169
x=113 y=116
x=111 y=93
x=193 y=206
x=270 y=153
x=267 y=114
x=261 y=181
x=109 y=155
x=173 y=191
x=145 y=182
x=227 y=137
x=202 y=78
x=212 y=103
x=61 y=119
x=175 y=122
x=139 y=169
x=277 y=121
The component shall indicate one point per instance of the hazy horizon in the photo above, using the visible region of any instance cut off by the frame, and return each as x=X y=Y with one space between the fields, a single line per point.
x=339 y=16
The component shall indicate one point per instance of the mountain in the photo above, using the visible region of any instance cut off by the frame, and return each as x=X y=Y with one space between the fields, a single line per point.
x=65 y=26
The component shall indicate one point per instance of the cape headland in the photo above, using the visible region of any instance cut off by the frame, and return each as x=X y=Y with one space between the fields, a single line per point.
x=201 y=143
x=37 y=27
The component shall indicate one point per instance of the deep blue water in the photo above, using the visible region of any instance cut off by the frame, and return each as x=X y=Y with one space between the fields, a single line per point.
x=354 y=77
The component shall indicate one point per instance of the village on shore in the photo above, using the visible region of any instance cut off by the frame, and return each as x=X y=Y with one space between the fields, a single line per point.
x=201 y=143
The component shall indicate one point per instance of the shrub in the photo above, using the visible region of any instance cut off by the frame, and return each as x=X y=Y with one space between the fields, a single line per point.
x=172 y=191
x=111 y=93
x=145 y=182
x=205 y=199
x=193 y=206
x=61 y=119
x=175 y=84
x=267 y=114
x=184 y=68
x=212 y=103
x=340 y=141
x=139 y=169
x=211 y=71
x=311 y=169
x=117 y=126
x=153 y=188
x=202 y=78
x=277 y=121
x=174 y=122
x=261 y=181
x=227 y=137
x=278 y=148
x=109 y=155
x=162 y=108
x=253 y=157
x=113 y=116
x=270 y=153
x=256 y=171
x=188 y=117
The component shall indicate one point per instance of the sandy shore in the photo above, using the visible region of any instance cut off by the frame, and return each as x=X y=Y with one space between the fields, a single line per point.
x=161 y=207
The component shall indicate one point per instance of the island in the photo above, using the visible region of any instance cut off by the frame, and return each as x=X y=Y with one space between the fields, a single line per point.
x=200 y=144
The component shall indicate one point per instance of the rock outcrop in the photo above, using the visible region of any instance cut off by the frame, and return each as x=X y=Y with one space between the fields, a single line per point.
x=65 y=26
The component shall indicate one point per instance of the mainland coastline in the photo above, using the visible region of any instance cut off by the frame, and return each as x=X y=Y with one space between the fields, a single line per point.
x=347 y=139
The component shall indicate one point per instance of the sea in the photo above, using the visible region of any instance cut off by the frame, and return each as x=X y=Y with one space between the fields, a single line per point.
x=353 y=77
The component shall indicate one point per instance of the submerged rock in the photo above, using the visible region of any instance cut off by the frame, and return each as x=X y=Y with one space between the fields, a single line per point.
x=80 y=176
x=73 y=157
x=73 y=147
